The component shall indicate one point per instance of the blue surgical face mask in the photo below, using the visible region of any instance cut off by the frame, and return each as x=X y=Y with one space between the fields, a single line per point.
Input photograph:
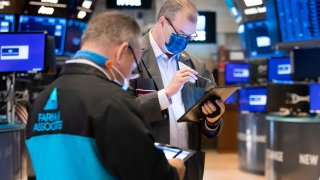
x=176 y=43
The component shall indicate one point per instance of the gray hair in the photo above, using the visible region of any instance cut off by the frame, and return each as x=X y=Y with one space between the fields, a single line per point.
x=171 y=7
x=113 y=28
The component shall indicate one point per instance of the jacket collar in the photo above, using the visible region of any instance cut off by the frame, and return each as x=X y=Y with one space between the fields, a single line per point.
x=73 y=67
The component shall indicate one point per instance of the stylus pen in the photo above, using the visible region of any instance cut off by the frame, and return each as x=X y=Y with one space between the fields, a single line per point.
x=203 y=77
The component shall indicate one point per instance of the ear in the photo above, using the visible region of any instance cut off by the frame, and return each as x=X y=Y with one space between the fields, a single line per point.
x=161 y=21
x=121 y=53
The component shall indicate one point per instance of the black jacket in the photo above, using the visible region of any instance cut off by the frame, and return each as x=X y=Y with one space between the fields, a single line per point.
x=84 y=126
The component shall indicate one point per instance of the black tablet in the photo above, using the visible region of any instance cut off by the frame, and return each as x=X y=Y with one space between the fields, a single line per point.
x=194 y=114
x=175 y=152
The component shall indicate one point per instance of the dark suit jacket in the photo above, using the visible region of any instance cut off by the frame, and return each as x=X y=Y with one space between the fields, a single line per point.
x=159 y=120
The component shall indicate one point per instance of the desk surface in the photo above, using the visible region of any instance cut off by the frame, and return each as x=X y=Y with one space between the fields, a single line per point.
x=11 y=127
x=293 y=119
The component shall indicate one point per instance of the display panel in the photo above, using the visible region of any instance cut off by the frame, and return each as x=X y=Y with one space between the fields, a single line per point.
x=128 y=4
x=314 y=90
x=74 y=33
x=279 y=69
x=258 y=40
x=54 y=26
x=22 y=52
x=7 y=22
x=206 y=28
x=306 y=63
x=298 y=20
x=253 y=99
x=237 y=73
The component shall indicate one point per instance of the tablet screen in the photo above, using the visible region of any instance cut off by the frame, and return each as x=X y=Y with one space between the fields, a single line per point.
x=182 y=155
x=174 y=152
x=168 y=151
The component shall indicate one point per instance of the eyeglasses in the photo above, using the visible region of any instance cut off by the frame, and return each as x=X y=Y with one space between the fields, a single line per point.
x=135 y=59
x=190 y=37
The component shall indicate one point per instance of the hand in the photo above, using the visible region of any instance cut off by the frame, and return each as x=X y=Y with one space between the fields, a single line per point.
x=22 y=113
x=179 y=165
x=209 y=108
x=178 y=80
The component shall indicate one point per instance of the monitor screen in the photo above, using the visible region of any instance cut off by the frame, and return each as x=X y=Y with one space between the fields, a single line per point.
x=231 y=99
x=7 y=22
x=206 y=28
x=314 y=90
x=306 y=63
x=279 y=69
x=129 y=4
x=74 y=33
x=237 y=72
x=54 y=26
x=22 y=52
x=258 y=40
x=258 y=72
x=253 y=99
x=298 y=20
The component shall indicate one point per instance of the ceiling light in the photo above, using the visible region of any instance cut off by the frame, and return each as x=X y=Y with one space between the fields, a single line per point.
x=250 y=3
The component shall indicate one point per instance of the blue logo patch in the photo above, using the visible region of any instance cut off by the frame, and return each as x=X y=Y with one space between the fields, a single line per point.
x=49 y=121
x=52 y=103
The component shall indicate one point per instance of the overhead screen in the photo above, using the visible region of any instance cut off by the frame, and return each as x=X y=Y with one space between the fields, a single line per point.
x=206 y=28
x=74 y=33
x=7 y=22
x=129 y=4
x=298 y=20
x=306 y=63
x=22 y=52
x=256 y=39
x=54 y=26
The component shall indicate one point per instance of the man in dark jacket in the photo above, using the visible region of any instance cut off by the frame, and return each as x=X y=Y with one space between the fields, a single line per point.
x=170 y=83
x=85 y=125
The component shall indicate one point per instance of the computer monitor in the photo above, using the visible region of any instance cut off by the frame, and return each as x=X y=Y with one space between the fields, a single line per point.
x=237 y=73
x=279 y=69
x=314 y=91
x=253 y=99
x=298 y=20
x=231 y=99
x=288 y=99
x=258 y=72
x=305 y=63
x=7 y=22
x=257 y=40
x=74 y=33
x=54 y=26
x=129 y=4
x=206 y=28
x=22 y=52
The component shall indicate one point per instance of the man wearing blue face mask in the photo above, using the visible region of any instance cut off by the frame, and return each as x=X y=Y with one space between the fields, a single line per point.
x=85 y=125
x=170 y=83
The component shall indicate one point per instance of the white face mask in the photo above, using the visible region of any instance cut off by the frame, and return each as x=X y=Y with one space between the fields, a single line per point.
x=125 y=84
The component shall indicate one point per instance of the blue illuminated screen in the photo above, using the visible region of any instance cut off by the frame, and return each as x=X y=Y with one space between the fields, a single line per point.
x=54 y=26
x=298 y=20
x=314 y=98
x=22 y=52
x=6 y=23
x=237 y=72
x=231 y=99
x=279 y=69
x=253 y=99
x=74 y=33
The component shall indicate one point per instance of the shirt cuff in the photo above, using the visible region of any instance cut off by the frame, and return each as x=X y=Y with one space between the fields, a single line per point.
x=163 y=100
x=216 y=126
